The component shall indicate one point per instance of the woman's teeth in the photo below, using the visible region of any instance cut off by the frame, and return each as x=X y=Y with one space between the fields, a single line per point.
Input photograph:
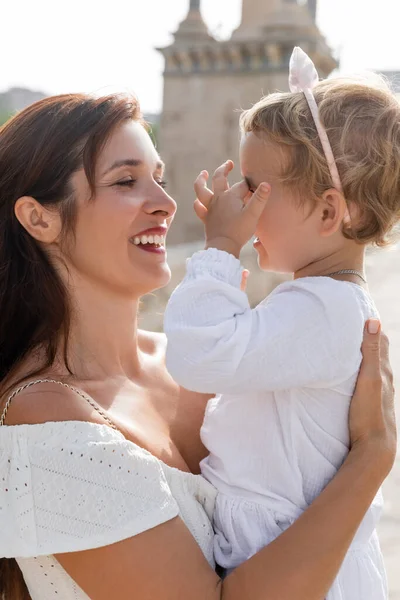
x=158 y=240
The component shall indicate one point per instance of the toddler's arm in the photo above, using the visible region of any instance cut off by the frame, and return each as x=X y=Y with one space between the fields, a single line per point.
x=307 y=333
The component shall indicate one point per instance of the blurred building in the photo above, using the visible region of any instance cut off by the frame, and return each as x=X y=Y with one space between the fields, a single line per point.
x=207 y=81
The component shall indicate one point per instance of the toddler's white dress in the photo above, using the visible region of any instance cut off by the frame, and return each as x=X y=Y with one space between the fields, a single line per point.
x=278 y=431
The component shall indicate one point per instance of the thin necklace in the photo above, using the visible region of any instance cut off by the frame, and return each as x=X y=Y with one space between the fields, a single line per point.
x=348 y=272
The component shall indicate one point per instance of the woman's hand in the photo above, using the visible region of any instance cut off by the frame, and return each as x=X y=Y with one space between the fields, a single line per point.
x=230 y=214
x=372 y=417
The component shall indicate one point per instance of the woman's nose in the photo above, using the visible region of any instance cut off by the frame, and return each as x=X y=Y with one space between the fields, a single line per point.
x=160 y=202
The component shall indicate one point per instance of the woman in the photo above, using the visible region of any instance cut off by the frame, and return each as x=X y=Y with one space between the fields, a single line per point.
x=97 y=442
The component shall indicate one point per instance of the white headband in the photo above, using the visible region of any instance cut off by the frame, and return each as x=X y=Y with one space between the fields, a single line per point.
x=303 y=77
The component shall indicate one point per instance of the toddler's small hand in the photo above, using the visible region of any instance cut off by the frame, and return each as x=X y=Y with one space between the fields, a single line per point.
x=230 y=214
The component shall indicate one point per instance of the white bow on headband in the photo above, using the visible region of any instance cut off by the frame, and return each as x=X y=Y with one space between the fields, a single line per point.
x=303 y=77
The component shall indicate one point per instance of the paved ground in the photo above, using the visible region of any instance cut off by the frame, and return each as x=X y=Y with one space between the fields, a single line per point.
x=384 y=279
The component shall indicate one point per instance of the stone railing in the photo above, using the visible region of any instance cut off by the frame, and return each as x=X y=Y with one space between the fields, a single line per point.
x=153 y=305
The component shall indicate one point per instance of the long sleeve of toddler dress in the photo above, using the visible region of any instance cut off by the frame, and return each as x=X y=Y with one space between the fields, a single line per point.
x=218 y=344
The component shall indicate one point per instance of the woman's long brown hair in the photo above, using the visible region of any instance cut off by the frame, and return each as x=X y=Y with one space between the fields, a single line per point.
x=40 y=149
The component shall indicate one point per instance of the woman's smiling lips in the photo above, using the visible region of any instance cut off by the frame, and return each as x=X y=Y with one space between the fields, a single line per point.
x=151 y=240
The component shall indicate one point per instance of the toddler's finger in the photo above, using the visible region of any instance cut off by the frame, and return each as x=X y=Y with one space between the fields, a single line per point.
x=200 y=210
x=200 y=187
x=247 y=197
x=255 y=206
x=220 y=181
x=242 y=191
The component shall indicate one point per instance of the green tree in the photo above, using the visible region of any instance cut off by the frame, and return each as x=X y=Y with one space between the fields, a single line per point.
x=4 y=116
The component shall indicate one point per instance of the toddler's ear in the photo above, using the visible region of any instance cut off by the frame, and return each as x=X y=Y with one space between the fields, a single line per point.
x=334 y=212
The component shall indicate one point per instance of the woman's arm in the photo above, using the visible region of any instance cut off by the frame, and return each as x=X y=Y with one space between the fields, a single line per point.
x=166 y=563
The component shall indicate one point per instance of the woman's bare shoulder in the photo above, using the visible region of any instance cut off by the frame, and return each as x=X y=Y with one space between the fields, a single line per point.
x=43 y=402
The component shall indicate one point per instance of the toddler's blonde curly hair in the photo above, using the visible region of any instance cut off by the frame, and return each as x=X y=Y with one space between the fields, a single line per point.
x=362 y=120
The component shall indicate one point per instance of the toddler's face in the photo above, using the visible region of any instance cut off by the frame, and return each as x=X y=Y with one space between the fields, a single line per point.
x=287 y=233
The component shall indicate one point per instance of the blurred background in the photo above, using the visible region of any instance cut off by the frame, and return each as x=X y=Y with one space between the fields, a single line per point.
x=194 y=64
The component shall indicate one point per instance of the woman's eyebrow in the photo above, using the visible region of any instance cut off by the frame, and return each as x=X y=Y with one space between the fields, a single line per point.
x=125 y=162
x=131 y=162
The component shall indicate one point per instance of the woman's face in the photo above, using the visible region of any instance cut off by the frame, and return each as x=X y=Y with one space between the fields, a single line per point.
x=119 y=242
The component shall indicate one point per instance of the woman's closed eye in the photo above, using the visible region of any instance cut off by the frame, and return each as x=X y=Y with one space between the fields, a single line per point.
x=131 y=182
x=126 y=182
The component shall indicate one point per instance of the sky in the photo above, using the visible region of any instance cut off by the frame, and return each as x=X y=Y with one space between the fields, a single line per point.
x=97 y=47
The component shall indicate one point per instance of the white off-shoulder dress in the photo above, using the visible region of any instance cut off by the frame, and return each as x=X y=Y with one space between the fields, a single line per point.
x=70 y=486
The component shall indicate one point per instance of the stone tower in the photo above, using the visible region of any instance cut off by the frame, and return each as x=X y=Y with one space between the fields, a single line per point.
x=207 y=82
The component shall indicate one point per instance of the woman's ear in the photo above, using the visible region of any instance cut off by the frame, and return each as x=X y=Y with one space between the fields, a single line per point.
x=333 y=212
x=42 y=224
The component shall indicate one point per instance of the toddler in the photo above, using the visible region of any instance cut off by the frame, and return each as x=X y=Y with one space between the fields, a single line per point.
x=321 y=169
